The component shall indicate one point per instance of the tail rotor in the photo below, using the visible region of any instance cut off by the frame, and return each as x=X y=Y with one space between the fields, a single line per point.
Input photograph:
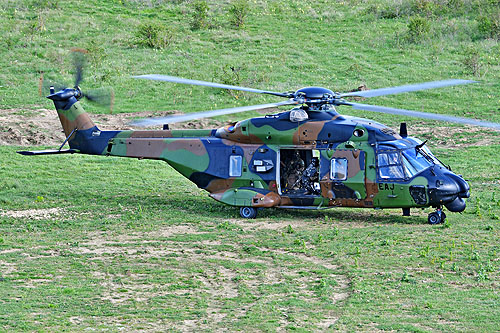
x=58 y=91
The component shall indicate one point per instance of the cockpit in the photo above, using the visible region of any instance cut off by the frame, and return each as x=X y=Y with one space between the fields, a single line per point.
x=404 y=162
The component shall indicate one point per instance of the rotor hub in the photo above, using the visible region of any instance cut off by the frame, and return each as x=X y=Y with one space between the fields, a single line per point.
x=313 y=93
x=78 y=92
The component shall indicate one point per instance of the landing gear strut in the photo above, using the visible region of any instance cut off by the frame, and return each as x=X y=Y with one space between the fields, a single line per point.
x=248 y=212
x=406 y=211
x=437 y=217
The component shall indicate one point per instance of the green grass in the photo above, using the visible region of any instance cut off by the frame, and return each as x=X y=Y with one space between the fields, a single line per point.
x=106 y=243
x=132 y=244
x=284 y=45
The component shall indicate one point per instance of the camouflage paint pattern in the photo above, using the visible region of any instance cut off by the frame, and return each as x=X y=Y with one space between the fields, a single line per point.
x=204 y=157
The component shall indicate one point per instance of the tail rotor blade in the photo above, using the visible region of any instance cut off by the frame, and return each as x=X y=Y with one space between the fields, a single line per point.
x=102 y=96
x=197 y=115
x=79 y=61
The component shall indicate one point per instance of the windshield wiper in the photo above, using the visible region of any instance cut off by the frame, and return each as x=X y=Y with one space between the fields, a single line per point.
x=418 y=149
x=419 y=146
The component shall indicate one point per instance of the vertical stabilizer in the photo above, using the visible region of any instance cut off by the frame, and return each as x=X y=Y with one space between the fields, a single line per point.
x=81 y=132
x=70 y=111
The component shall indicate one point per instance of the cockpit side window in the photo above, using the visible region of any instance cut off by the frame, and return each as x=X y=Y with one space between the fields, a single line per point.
x=389 y=165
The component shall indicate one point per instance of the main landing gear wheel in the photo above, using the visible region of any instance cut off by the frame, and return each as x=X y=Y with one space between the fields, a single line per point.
x=436 y=217
x=248 y=212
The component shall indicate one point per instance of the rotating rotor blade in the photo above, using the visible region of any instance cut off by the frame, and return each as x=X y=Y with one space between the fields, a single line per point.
x=79 y=61
x=197 y=115
x=157 y=77
x=101 y=96
x=406 y=88
x=433 y=116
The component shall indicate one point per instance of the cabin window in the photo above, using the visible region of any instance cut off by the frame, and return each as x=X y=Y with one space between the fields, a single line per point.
x=389 y=165
x=338 y=169
x=235 y=163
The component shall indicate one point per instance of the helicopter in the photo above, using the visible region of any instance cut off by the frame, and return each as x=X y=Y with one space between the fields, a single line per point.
x=308 y=157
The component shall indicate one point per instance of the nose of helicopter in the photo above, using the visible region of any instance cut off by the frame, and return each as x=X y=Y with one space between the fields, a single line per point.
x=449 y=190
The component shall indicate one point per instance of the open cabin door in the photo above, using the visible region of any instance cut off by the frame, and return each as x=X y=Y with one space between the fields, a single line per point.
x=342 y=174
x=299 y=172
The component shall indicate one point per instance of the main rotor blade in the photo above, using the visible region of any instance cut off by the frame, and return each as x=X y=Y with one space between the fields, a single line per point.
x=407 y=88
x=157 y=77
x=197 y=115
x=433 y=116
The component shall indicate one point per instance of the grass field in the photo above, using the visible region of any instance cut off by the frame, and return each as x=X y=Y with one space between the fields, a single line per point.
x=111 y=243
x=120 y=244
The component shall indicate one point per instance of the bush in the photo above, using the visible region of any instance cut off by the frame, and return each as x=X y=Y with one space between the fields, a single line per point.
x=472 y=61
x=238 y=12
x=418 y=28
x=426 y=8
x=229 y=74
x=96 y=52
x=489 y=24
x=200 y=15
x=154 y=35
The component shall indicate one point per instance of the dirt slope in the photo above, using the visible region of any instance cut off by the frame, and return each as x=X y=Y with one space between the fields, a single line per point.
x=25 y=127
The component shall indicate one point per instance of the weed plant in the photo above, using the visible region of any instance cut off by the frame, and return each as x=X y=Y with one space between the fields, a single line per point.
x=238 y=12
x=200 y=15
x=154 y=34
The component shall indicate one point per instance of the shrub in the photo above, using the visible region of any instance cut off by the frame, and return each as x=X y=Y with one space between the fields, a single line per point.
x=228 y=74
x=154 y=34
x=489 y=24
x=238 y=12
x=200 y=15
x=96 y=52
x=426 y=8
x=418 y=28
x=472 y=62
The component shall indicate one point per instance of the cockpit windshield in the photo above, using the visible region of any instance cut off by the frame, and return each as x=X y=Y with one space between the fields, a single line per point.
x=406 y=163
x=415 y=162
x=434 y=159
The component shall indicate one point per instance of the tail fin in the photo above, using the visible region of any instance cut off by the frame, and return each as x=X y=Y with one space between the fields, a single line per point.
x=70 y=111
x=81 y=133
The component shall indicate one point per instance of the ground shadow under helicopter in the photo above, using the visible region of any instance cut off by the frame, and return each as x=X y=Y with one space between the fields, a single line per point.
x=204 y=206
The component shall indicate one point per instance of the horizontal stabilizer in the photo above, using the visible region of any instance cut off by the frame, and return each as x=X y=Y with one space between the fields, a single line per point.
x=48 y=152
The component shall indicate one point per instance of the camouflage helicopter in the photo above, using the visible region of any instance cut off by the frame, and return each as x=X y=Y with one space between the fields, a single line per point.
x=309 y=157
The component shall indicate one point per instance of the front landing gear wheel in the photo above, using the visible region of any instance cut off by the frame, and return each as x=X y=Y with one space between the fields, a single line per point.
x=436 y=217
x=248 y=212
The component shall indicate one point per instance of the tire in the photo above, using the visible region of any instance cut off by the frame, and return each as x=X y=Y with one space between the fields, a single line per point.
x=443 y=217
x=434 y=218
x=248 y=212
